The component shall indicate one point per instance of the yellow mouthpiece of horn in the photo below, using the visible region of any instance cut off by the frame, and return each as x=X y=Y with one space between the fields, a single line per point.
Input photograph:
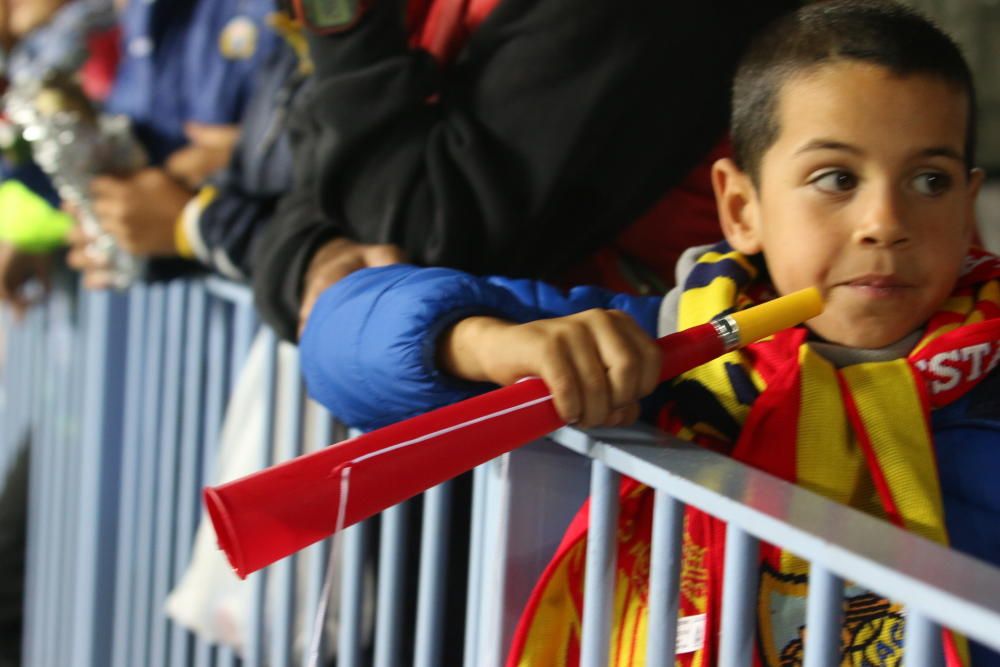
x=786 y=311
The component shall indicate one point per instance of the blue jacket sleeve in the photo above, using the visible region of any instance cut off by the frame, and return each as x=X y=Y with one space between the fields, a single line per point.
x=368 y=349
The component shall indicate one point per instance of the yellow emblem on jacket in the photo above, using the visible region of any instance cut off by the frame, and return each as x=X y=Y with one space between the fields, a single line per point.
x=238 y=39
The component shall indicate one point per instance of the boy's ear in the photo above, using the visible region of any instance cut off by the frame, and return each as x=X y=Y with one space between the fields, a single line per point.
x=976 y=178
x=739 y=211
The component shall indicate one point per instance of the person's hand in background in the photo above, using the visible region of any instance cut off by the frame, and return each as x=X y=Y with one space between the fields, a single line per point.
x=210 y=149
x=141 y=210
x=17 y=270
x=337 y=259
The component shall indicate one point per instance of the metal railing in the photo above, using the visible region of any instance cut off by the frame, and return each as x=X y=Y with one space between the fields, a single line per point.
x=124 y=395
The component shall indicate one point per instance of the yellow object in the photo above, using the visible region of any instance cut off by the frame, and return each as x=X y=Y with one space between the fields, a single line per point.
x=781 y=313
x=28 y=221
x=291 y=31
x=187 y=221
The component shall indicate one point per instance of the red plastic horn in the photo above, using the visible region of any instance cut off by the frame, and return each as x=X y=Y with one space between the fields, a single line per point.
x=273 y=513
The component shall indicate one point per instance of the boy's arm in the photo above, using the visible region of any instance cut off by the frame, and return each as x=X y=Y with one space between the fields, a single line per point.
x=597 y=363
x=369 y=349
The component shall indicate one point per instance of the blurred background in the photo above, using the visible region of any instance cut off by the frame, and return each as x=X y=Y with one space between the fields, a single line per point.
x=976 y=24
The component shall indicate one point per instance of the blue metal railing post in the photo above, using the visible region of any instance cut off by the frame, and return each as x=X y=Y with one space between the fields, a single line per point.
x=599 y=580
x=100 y=472
x=664 y=579
x=128 y=524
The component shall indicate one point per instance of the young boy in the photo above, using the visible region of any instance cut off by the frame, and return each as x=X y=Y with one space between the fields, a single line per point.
x=853 y=129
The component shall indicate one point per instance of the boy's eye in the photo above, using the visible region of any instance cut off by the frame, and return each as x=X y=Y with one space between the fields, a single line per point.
x=931 y=183
x=835 y=181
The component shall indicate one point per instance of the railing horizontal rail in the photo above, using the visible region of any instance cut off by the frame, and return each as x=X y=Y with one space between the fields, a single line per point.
x=951 y=588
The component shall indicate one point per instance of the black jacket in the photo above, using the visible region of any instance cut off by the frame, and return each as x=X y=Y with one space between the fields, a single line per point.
x=559 y=123
x=223 y=232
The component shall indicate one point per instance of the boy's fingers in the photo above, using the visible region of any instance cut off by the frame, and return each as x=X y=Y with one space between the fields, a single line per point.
x=561 y=378
x=650 y=358
x=592 y=374
x=620 y=356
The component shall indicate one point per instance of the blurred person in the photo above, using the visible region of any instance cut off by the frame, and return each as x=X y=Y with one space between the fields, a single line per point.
x=77 y=37
x=539 y=125
x=186 y=77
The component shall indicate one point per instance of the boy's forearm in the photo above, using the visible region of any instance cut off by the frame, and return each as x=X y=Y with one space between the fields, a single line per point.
x=461 y=349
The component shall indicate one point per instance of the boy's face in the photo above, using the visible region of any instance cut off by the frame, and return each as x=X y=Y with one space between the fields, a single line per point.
x=864 y=194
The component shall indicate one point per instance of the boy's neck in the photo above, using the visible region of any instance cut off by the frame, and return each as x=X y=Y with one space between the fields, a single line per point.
x=841 y=355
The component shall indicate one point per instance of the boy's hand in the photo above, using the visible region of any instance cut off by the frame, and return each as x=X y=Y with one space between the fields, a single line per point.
x=597 y=363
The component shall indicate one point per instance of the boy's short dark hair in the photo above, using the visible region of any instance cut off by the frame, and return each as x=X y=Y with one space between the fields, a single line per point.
x=879 y=32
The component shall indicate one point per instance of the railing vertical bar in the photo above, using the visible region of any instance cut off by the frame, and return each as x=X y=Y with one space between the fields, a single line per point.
x=58 y=492
x=431 y=580
x=352 y=541
x=38 y=490
x=54 y=491
x=135 y=387
x=167 y=450
x=147 y=476
x=599 y=579
x=11 y=364
x=922 y=641
x=824 y=617
x=244 y=324
x=79 y=510
x=189 y=485
x=664 y=579
x=38 y=506
x=389 y=602
x=17 y=374
x=99 y=477
x=215 y=393
x=236 y=344
x=318 y=555
x=254 y=651
x=49 y=492
x=234 y=351
x=282 y=573
x=6 y=369
x=60 y=596
x=54 y=487
x=35 y=582
x=738 y=597
x=476 y=559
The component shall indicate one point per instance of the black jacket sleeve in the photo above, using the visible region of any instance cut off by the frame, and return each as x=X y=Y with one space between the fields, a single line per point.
x=560 y=122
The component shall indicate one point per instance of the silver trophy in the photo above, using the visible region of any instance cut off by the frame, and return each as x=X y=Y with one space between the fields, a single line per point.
x=72 y=142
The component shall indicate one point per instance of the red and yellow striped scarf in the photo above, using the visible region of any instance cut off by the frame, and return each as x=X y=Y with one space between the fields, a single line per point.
x=858 y=434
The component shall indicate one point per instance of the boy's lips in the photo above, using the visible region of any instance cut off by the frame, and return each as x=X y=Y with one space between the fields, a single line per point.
x=877 y=285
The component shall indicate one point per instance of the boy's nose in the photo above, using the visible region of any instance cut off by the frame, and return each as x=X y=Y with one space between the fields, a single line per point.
x=883 y=226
